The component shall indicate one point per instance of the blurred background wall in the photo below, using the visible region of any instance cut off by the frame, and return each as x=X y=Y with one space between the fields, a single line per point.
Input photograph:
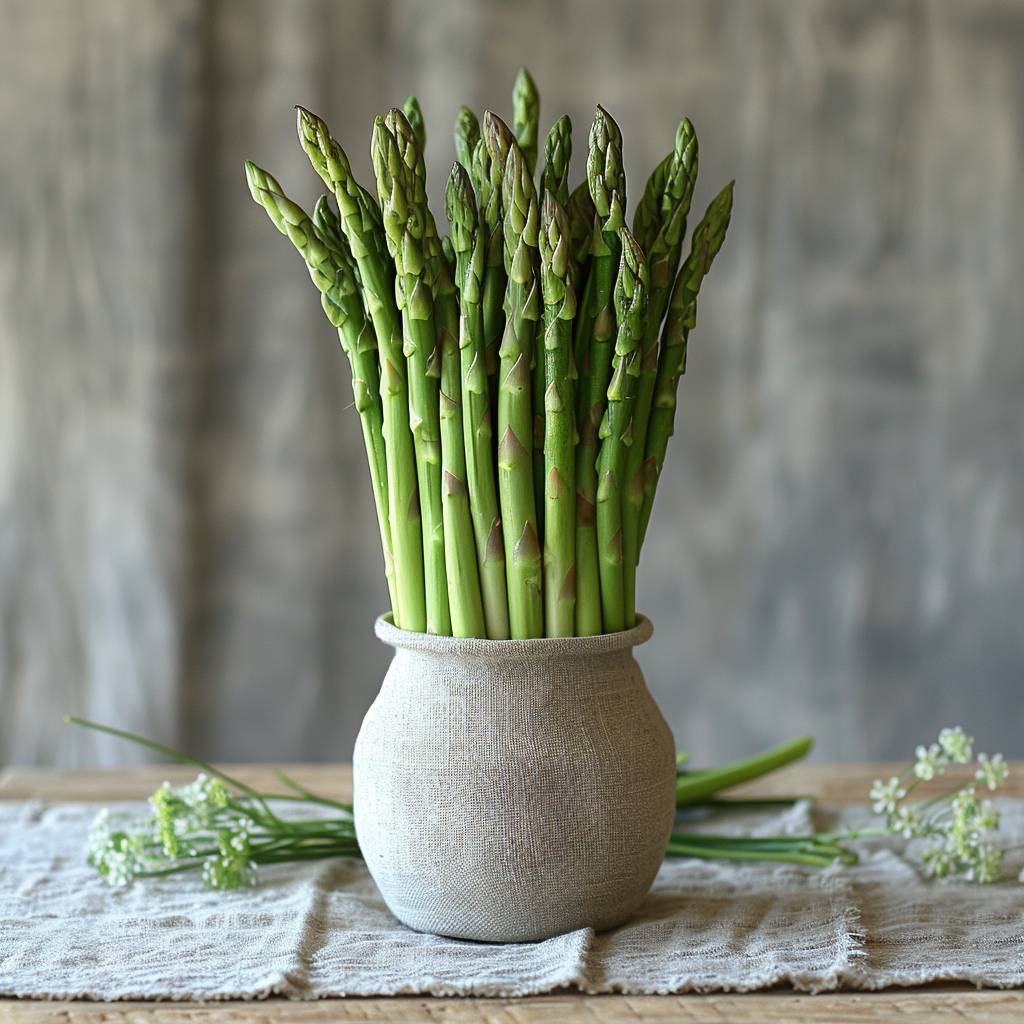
x=187 y=543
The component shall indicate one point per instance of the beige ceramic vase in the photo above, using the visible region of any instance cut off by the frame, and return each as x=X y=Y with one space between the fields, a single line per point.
x=511 y=790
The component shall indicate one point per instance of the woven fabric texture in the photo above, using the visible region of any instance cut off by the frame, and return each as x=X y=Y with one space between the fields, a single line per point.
x=513 y=790
x=315 y=930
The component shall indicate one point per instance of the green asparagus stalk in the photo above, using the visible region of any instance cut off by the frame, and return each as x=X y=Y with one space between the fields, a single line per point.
x=647 y=216
x=404 y=233
x=707 y=240
x=467 y=135
x=448 y=251
x=559 y=422
x=557 y=154
x=361 y=226
x=468 y=242
x=492 y=157
x=595 y=336
x=581 y=213
x=665 y=240
x=480 y=173
x=463 y=579
x=333 y=273
x=515 y=477
x=414 y=116
x=360 y=344
x=631 y=288
x=526 y=116
x=555 y=178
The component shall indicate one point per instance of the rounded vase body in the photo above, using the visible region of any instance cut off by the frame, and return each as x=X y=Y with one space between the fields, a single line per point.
x=511 y=790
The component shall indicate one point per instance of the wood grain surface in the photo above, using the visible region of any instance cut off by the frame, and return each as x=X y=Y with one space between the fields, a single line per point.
x=833 y=783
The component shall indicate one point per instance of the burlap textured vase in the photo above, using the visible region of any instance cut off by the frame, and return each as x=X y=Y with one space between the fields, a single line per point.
x=511 y=790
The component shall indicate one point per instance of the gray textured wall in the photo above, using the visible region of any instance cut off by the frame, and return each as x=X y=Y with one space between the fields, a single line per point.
x=187 y=544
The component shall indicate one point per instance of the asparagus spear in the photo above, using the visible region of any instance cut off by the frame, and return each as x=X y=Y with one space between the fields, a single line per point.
x=581 y=213
x=468 y=242
x=360 y=344
x=595 y=335
x=491 y=157
x=515 y=478
x=404 y=233
x=467 y=135
x=463 y=579
x=448 y=251
x=526 y=116
x=555 y=178
x=480 y=173
x=663 y=248
x=647 y=216
x=557 y=154
x=559 y=422
x=361 y=226
x=707 y=240
x=631 y=288
x=414 y=116
x=333 y=273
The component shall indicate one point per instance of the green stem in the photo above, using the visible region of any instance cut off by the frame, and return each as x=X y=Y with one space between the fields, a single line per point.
x=682 y=313
x=361 y=224
x=405 y=239
x=682 y=848
x=468 y=242
x=631 y=289
x=558 y=422
x=699 y=785
x=515 y=422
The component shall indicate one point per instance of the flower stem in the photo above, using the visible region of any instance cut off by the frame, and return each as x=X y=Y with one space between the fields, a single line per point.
x=695 y=786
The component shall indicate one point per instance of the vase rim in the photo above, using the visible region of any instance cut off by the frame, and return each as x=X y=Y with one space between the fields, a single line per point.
x=543 y=647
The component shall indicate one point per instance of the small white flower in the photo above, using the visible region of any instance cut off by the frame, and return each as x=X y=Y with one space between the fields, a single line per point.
x=986 y=864
x=991 y=771
x=930 y=762
x=937 y=861
x=956 y=744
x=907 y=822
x=885 y=795
x=988 y=816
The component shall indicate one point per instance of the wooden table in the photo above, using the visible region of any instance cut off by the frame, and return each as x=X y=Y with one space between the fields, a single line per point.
x=832 y=783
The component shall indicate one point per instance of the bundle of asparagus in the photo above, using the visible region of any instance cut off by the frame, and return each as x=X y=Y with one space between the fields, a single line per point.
x=516 y=379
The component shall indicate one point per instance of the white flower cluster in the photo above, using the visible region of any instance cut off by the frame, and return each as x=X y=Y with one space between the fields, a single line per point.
x=956 y=828
x=232 y=866
x=196 y=822
x=116 y=853
x=954 y=747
